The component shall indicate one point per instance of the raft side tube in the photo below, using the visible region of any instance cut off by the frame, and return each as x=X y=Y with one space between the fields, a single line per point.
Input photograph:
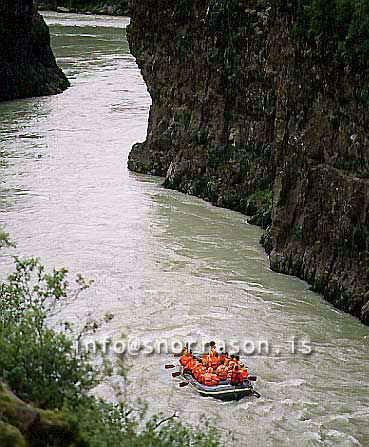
x=222 y=392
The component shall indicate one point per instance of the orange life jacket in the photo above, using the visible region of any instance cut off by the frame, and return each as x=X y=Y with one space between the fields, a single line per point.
x=210 y=379
x=205 y=360
x=200 y=375
x=222 y=372
x=214 y=362
x=236 y=378
x=189 y=365
x=212 y=353
x=231 y=365
x=244 y=374
x=199 y=371
x=207 y=379
x=184 y=359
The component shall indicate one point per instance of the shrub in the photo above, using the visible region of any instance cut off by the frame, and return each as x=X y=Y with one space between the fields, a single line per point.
x=38 y=363
x=104 y=424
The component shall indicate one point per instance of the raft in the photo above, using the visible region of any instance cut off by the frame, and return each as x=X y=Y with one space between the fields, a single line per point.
x=222 y=392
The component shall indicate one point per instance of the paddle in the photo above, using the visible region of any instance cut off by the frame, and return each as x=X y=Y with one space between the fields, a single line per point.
x=183 y=384
x=170 y=366
x=256 y=394
x=176 y=374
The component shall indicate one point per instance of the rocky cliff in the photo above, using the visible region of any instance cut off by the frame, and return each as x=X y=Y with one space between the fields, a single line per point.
x=27 y=64
x=255 y=111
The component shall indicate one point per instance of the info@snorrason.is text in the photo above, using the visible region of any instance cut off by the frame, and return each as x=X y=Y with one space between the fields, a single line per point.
x=132 y=346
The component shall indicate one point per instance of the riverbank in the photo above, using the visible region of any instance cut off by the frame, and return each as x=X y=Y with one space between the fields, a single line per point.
x=114 y=8
x=248 y=114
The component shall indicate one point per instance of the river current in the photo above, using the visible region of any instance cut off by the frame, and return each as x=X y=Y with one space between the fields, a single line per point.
x=168 y=266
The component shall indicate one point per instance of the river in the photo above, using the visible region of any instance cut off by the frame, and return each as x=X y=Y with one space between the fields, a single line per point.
x=166 y=265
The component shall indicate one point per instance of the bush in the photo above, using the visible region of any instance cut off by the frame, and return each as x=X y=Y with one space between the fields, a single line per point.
x=5 y=239
x=38 y=363
x=108 y=425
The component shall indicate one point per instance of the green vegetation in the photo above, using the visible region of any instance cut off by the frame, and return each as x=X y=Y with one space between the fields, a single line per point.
x=94 y=6
x=5 y=239
x=42 y=367
x=82 y=4
x=106 y=425
x=259 y=206
x=346 y=21
x=34 y=358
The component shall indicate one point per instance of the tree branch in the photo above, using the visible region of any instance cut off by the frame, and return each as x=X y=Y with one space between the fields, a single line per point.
x=165 y=420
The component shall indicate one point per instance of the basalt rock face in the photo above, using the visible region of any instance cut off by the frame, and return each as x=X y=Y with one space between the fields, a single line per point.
x=27 y=64
x=242 y=106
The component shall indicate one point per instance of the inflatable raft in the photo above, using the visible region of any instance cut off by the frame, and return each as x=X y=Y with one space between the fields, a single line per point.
x=224 y=392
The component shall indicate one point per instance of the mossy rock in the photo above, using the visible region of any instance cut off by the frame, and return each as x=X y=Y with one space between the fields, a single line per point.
x=23 y=425
x=10 y=436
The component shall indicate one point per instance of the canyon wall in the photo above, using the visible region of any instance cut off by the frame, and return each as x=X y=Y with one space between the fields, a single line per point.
x=27 y=64
x=254 y=114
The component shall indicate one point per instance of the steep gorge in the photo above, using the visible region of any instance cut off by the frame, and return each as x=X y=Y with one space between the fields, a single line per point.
x=253 y=116
x=27 y=64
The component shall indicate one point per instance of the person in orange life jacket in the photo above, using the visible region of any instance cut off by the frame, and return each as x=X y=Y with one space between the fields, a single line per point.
x=243 y=369
x=185 y=358
x=244 y=372
x=222 y=371
x=191 y=364
x=196 y=367
x=236 y=377
x=199 y=372
x=223 y=355
x=237 y=361
x=184 y=350
x=213 y=349
x=242 y=365
x=205 y=360
x=227 y=359
x=231 y=365
x=210 y=379
x=231 y=362
x=214 y=360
